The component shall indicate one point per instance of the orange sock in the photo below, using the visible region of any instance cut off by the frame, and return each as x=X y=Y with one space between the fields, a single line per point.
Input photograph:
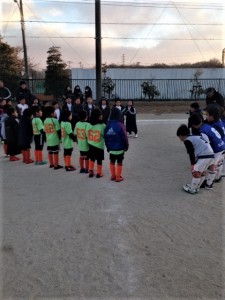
x=81 y=162
x=91 y=166
x=119 y=169
x=5 y=149
x=86 y=163
x=112 y=171
x=55 y=159
x=99 y=171
x=36 y=155
x=50 y=159
x=28 y=159
x=40 y=159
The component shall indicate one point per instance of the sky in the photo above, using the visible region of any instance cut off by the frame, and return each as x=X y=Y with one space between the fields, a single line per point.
x=133 y=31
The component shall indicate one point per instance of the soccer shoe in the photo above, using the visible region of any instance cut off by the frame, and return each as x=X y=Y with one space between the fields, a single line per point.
x=51 y=166
x=118 y=179
x=41 y=163
x=91 y=174
x=82 y=170
x=136 y=135
x=71 y=168
x=188 y=185
x=99 y=175
x=217 y=179
x=208 y=186
x=187 y=189
x=86 y=171
x=113 y=178
x=14 y=158
x=29 y=161
x=58 y=167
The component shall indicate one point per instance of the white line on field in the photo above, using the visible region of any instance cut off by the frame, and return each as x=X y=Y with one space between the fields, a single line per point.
x=162 y=121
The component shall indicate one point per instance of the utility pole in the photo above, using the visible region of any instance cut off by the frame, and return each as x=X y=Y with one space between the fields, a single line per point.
x=98 y=49
x=223 y=55
x=20 y=6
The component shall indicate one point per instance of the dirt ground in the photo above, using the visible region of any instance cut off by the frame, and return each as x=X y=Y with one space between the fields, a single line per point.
x=65 y=236
x=164 y=107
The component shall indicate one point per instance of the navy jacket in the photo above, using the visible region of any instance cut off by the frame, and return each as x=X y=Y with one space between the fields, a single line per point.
x=115 y=136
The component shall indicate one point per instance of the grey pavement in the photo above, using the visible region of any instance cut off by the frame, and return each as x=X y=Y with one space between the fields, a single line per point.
x=67 y=236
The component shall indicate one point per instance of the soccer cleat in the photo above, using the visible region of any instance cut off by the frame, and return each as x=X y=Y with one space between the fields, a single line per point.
x=58 y=167
x=29 y=161
x=86 y=171
x=188 y=185
x=136 y=135
x=187 y=189
x=82 y=170
x=118 y=179
x=41 y=163
x=51 y=166
x=113 y=178
x=99 y=175
x=14 y=158
x=91 y=174
x=217 y=179
x=208 y=186
x=71 y=168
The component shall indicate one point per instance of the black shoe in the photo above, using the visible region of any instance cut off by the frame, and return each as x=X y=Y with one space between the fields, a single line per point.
x=208 y=186
x=51 y=166
x=86 y=171
x=82 y=170
x=70 y=168
x=58 y=167
x=203 y=184
x=218 y=179
x=91 y=174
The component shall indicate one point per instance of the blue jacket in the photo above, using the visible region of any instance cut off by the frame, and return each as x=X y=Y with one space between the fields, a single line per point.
x=115 y=136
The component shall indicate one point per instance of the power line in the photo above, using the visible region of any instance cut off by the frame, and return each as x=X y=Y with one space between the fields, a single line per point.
x=119 y=38
x=116 y=23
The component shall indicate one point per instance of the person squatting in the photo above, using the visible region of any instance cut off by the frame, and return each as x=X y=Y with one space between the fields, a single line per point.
x=204 y=140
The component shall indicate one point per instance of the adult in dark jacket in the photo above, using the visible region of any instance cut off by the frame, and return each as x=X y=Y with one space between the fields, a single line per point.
x=78 y=93
x=116 y=142
x=4 y=92
x=77 y=107
x=12 y=134
x=68 y=93
x=105 y=109
x=26 y=135
x=24 y=92
x=87 y=92
x=212 y=96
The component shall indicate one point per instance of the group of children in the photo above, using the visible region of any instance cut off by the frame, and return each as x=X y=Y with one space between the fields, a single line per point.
x=91 y=132
x=204 y=140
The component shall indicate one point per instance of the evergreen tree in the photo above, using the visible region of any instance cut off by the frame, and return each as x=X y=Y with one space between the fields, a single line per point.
x=11 y=65
x=57 y=76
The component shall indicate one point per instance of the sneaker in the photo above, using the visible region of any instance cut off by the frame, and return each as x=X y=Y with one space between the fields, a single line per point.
x=91 y=174
x=118 y=179
x=58 y=167
x=99 y=175
x=82 y=170
x=187 y=189
x=71 y=168
x=14 y=158
x=40 y=163
x=113 y=178
x=217 y=179
x=136 y=135
x=29 y=161
x=51 y=166
x=86 y=171
x=188 y=185
x=208 y=186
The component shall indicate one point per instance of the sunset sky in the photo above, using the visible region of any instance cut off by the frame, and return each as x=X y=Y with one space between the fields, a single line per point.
x=132 y=30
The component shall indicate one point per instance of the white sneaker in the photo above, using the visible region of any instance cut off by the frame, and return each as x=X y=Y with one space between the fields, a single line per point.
x=136 y=135
x=187 y=189
x=189 y=186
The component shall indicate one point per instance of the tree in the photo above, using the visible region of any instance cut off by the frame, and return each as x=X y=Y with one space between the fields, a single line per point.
x=108 y=86
x=11 y=65
x=57 y=76
x=149 y=90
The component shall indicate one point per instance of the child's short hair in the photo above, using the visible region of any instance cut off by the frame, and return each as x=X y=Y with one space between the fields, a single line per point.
x=82 y=115
x=10 y=110
x=194 y=105
x=49 y=110
x=95 y=115
x=183 y=130
x=65 y=115
x=115 y=114
x=54 y=103
x=214 y=110
x=36 y=109
x=195 y=119
x=6 y=107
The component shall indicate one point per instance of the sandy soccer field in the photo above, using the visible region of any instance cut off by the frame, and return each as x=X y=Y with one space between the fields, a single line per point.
x=67 y=236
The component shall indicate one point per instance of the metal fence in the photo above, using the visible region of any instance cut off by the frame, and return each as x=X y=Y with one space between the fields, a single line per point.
x=169 y=89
